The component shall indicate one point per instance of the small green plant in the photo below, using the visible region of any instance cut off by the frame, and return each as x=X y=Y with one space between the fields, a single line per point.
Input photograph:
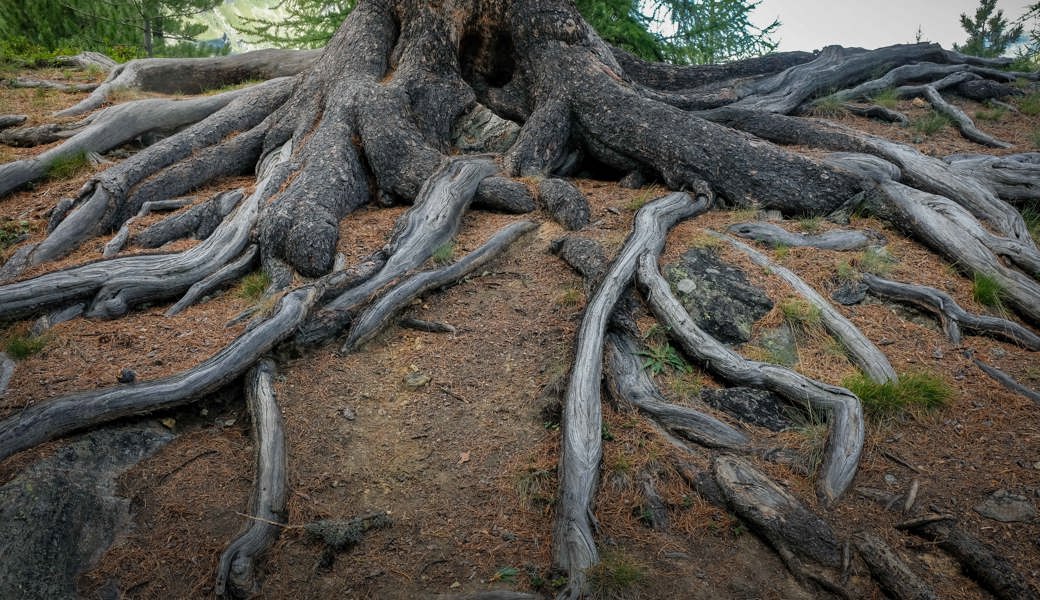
x=781 y=251
x=68 y=166
x=800 y=313
x=988 y=291
x=570 y=297
x=615 y=576
x=506 y=574
x=686 y=385
x=993 y=113
x=887 y=98
x=810 y=224
x=1030 y=104
x=11 y=232
x=444 y=253
x=911 y=392
x=254 y=285
x=534 y=487
x=1031 y=215
x=846 y=272
x=663 y=356
x=22 y=346
x=931 y=124
x=876 y=261
x=827 y=106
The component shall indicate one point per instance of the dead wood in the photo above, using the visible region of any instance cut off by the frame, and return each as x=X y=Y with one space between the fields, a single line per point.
x=774 y=235
x=863 y=352
x=574 y=549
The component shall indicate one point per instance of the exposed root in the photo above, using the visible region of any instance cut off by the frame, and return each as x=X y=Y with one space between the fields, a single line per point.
x=193 y=76
x=845 y=443
x=952 y=317
x=369 y=323
x=864 y=354
x=890 y=571
x=1004 y=379
x=774 y=235
x=236 y=575
x=574 y=549
x=232 y=271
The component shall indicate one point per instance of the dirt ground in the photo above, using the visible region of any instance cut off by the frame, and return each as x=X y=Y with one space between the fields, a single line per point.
x=465 y=462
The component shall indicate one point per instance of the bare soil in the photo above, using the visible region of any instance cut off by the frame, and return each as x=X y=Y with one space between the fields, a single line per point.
x=465 y=463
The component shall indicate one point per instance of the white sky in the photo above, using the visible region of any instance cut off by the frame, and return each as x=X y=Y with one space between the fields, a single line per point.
x=812 y=24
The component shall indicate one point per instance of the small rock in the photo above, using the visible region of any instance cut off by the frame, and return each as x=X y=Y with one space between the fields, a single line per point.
x=1006 y=507
x=127 y=376
x=416 y=380
x=169 y=423
x=997 y=353
x=890 y=479
x=850 y=293
x=348 y=413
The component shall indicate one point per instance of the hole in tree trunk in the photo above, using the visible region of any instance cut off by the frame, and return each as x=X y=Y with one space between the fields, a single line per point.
x=486 y=61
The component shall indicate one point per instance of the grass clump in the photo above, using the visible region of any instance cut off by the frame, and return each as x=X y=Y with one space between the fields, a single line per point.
x=910 y=393
x=254 y=285
x=663 y=356
x=993 y=113
x=887 y=98
x=931 y=124
x=811 y=225
x=876 y=261
x=1031 y=212
x=846 y=272
x=616 y=576
x=22 y=346
x=68 y=166
x=1030 y=104
x=444 y=253
x=800 y=313
x=570 y=297
x=12 y=232
x=987 y=291
x=827 y=106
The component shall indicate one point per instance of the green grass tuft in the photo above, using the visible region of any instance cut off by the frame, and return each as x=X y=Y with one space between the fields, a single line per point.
x=911 y=392
x=67 y=167
x=444 y=253
x=254 y=285
x=11 y=232
x=931 y=124
x=1030 y=104
x=876 y=261
x=887 y=98
x=800 y=313
x=615 y=576
x=986 y=290
x=1031 y=215
x=827 y=106
x=20 y=347
x=663 y=356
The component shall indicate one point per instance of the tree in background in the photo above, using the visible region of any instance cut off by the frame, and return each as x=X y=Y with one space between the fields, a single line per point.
x=989 y=33
x=679 y=31
x=84 y=24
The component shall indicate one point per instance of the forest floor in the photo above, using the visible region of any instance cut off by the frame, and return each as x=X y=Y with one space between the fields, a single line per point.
x=455 y=436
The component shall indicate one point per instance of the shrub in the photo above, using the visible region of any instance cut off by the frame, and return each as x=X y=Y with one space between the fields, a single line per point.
x=22 y=346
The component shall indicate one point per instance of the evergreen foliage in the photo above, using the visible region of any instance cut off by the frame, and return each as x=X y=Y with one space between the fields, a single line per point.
x=989 y=33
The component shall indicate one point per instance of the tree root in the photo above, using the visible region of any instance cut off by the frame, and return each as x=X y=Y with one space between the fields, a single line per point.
x=574 y=549
x=631 y=383
x=952 y=317
x=235 y=574
x=891 y=573
x=774 y=235
x=863 y=352
x=70 y=88
x=199 y=221
x=1014 y=178
x=119 y=283
x=370 y=322
x=48 y=420
x=845 y=443
x=1004 y=379
x=193 y=76
x=977 y=560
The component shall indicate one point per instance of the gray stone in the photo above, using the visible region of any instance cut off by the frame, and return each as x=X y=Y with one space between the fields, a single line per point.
x=849 y=293
x=1006 y=507
x=717 y=296
x=59 y=515
x=781 y=344
x=757 y=407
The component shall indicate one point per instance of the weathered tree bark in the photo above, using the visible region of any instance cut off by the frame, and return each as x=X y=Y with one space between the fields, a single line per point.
x=890 y=571
x=402 y=88
x=863 y=352
x=236 y=576
x=977 y=560
x=574 y=549
x=774 y=235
